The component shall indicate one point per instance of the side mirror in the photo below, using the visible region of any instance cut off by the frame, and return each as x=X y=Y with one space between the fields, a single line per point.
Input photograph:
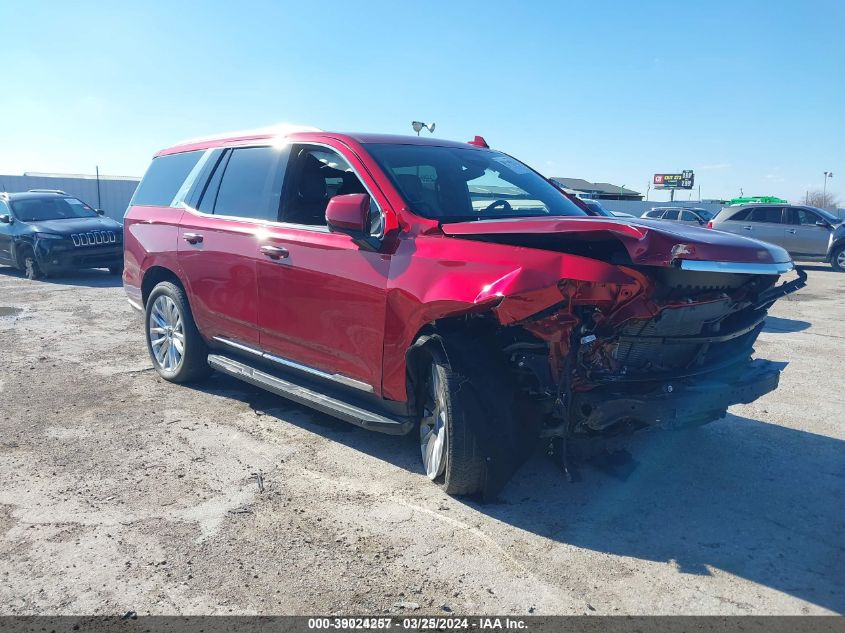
x=822 y=223
x=100 y=211
x=5 y=219
x=349 y=214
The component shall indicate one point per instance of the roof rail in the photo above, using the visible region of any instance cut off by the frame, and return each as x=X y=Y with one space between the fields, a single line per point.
x=278 y=129
x=58 y=191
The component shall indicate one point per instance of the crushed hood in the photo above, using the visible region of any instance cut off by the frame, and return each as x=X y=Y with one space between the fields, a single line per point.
x=648 y=242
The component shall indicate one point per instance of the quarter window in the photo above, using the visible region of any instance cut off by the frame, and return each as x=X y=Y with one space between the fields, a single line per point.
x=739 y=216
x=164 y=178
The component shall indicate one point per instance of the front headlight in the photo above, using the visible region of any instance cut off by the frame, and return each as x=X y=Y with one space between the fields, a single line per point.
x=49 y=236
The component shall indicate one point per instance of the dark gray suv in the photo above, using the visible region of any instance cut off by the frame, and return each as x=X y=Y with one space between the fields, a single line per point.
x=806 y=232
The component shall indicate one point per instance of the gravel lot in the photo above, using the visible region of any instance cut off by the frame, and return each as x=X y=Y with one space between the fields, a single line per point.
x=119 y=491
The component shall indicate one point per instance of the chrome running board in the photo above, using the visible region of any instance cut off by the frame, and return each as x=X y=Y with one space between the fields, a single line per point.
x=339 y=378
x=302 y=394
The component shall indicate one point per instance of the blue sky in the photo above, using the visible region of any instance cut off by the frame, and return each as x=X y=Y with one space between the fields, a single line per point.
x=750 y=95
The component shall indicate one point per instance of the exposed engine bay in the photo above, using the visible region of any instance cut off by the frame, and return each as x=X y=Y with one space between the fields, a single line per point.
x=672 y=349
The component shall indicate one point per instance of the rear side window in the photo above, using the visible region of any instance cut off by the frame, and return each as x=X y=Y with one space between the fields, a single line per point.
x=771 y=215
x=164 y=178
x=247 y=183
x=654 y=214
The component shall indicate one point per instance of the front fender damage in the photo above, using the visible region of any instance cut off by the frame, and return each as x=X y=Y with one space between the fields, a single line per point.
x=594 y=356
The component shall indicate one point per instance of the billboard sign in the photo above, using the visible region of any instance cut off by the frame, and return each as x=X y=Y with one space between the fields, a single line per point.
x=684 y=180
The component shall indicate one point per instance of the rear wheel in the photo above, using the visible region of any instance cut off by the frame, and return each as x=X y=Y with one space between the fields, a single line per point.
x=176 y=348
x=837 y=258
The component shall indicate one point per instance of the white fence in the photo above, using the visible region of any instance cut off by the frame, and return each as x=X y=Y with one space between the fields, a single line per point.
x=112 y=197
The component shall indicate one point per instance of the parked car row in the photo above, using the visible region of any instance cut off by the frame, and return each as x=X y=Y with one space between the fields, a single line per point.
x=806 y=232
x=414 y=285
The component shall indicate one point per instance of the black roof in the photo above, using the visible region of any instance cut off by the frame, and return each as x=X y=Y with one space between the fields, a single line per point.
x=579 y=184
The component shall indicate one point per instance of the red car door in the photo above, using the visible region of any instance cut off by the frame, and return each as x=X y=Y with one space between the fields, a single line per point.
x=322 y=299
x=218 y=245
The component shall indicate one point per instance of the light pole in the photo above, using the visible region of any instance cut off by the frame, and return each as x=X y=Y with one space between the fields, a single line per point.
x=827 y=174
x=419 y=125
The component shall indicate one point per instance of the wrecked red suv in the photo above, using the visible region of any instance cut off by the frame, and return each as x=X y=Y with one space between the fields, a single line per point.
x=441 y=288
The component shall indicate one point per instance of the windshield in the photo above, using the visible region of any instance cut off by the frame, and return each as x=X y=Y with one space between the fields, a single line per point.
x=598 y=208
x=37 y=209
x=454 y=183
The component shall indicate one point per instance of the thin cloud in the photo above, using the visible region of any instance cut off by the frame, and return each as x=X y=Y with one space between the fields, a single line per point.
x=715 y=166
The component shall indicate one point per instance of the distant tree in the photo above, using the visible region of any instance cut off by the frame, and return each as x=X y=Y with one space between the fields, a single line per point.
x=818 y=199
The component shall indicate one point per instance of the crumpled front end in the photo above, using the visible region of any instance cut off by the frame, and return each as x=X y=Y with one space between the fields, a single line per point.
x=674 y=351
x=604 y=329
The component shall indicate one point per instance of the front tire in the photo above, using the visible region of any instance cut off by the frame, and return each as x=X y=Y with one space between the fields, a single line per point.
x=30 y=265
x=176 y=348
x=448 y=445
x=837 y=259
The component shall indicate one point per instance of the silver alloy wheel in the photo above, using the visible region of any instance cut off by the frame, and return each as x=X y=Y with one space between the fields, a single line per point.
x=433 y=427
x=167 y=334
x=840 y=259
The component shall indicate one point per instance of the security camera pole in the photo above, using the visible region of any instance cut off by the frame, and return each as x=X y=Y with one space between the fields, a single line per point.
x=827 y=174
x=419 y=125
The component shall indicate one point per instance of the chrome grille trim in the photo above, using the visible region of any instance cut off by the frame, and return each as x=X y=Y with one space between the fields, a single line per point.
x=737 y=267
x=94 y=238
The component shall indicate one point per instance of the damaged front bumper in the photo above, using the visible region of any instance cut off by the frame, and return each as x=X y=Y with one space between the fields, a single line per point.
x=683 y=403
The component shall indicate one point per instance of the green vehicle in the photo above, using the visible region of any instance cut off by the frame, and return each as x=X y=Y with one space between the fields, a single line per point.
x=757 y=200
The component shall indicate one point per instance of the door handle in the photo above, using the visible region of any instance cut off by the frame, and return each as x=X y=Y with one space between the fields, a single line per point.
x=275 y=252
x=192 y=238
x=747 y=228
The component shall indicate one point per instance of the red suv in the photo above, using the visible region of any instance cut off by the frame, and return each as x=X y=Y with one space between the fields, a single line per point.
x=417 y=285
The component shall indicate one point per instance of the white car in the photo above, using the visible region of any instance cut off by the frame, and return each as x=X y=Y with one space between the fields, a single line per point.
x=685 y=215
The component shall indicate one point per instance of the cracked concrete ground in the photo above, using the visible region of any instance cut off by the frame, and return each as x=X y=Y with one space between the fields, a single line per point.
x=119 y=491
